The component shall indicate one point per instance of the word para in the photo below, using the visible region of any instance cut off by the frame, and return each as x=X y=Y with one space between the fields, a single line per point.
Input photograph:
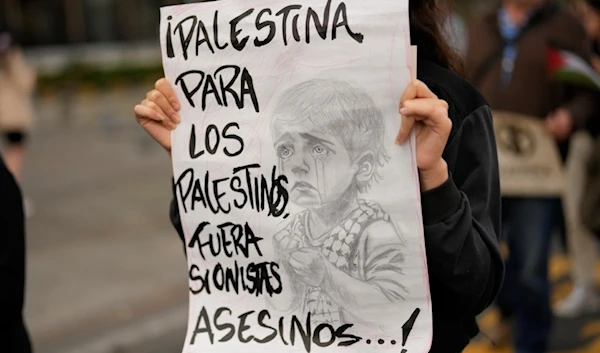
x=226 y=76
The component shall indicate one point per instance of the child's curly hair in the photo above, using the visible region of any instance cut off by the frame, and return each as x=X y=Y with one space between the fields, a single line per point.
x=339 y=109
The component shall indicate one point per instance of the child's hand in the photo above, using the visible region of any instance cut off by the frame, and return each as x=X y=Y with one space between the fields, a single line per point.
x=283 y=244
x=422 y=110
x=157 y=114
x=309 y=266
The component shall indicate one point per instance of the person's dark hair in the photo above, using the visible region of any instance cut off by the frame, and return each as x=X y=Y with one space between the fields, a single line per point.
x=594 y=3
x=426 y=20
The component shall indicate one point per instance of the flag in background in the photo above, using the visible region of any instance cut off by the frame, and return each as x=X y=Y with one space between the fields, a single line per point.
x=566 y=66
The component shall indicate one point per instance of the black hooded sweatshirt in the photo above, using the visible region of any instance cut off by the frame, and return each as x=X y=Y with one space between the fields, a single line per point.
x=461 y=217
x=13 y=335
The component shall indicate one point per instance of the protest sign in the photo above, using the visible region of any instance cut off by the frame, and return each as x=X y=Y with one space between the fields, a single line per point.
x=528 y=158
x=301 y=215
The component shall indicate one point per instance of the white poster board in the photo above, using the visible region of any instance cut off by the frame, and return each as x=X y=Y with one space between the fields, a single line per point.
x=301 y=215
x=528 y=158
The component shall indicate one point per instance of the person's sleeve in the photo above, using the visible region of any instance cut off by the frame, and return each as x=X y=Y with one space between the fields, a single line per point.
x=12 y=253
x=462 y=218
x=174 y=216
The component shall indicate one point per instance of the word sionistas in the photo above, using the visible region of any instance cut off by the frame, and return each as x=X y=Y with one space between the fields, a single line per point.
x=194 y=33
x=229 y=326
x=231 y=240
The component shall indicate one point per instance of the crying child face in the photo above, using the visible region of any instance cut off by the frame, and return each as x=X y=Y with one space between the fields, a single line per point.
x=318 y=167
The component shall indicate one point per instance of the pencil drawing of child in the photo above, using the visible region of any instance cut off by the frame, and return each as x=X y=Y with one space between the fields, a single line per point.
x=342 y=255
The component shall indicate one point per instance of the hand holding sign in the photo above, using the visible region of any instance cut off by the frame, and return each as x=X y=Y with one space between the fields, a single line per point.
x=157 y=114
x=421 y=109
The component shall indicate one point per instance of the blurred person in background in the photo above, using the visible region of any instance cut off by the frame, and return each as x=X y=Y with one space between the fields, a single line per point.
x=582 y=243
x=13 y=334
x=506 y=60
x=455 y=29
x=17 y=82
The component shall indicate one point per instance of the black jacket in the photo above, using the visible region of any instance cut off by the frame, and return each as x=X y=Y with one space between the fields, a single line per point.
x=13 y=336
x=461 y=217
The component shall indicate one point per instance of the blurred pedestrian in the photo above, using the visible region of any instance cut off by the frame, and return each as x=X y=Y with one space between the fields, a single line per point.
x=13 y=334
x=506 y=60
x=583 y=246
x=455 y=29
x=17 y=82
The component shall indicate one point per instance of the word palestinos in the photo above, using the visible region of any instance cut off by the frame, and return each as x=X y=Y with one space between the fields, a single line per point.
x=192 y=30
x=223 y=321
x=254 y=192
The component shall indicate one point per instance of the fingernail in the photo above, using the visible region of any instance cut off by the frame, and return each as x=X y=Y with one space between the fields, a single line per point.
x=403 y=110
x=176 y=118
x=399 y=139
x=176 y=106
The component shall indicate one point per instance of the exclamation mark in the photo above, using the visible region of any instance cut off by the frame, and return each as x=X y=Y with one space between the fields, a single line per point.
x=408 y=326
x=170 y=51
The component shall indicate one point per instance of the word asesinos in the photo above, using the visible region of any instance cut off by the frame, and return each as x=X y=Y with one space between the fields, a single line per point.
x=191 y=28
x=243 y=327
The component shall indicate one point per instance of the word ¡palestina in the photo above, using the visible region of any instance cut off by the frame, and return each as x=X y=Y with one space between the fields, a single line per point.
x=191 y=28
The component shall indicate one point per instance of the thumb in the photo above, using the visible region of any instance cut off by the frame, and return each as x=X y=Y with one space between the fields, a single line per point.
x=407 y=123
x=158 y=132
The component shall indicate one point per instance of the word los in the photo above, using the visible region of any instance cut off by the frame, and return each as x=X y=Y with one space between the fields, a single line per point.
x=255 y=278
x=212 y=141
x=218 y=85
x=256 y=193
x=324 y=335
x=191 y=30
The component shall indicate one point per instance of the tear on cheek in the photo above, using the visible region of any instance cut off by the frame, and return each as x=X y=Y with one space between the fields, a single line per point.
x=320 y=173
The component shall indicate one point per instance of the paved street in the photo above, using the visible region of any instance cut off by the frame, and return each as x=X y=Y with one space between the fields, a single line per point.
x=106 y=269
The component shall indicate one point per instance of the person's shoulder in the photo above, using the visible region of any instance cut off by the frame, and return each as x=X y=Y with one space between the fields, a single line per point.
x=566 y=20
x=561 y=18
x=462 y=97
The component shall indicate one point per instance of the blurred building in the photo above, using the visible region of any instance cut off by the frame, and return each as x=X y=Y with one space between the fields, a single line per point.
x=59 y=22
